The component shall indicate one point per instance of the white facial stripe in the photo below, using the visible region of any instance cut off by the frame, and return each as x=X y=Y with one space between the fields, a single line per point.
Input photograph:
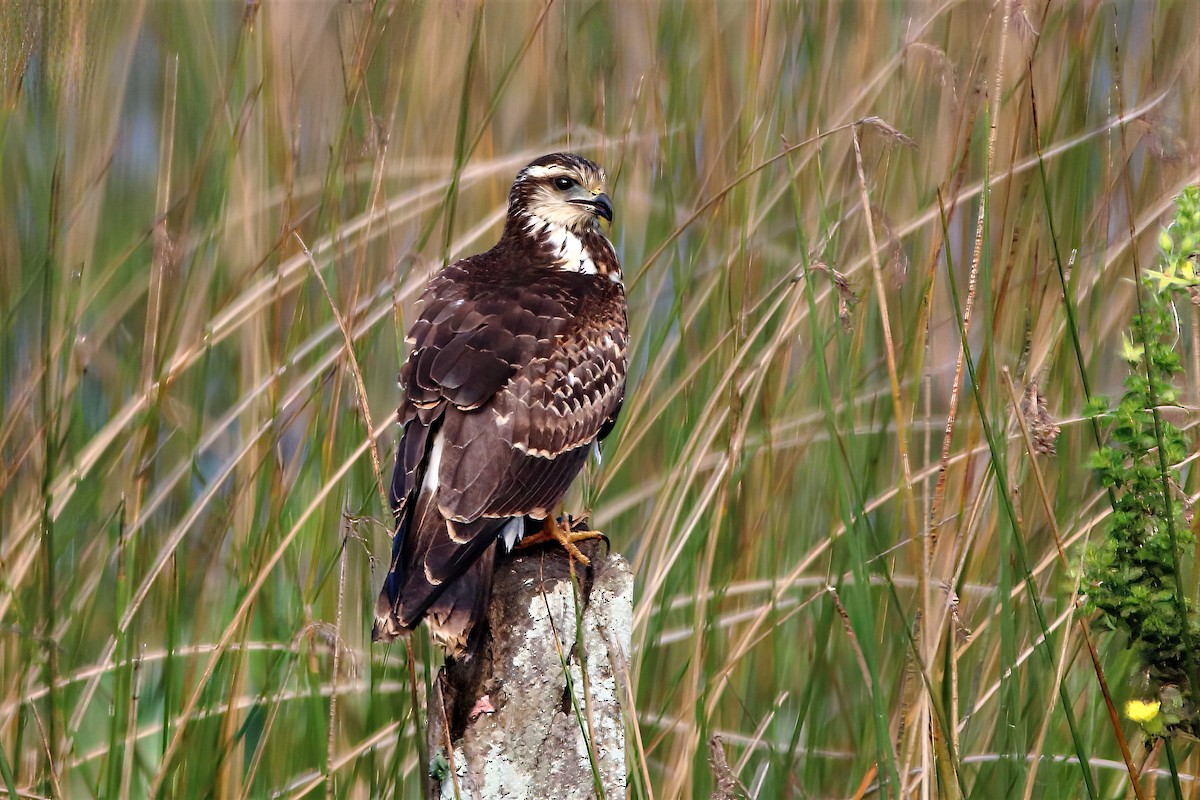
x=542 y=172
x=591 y=178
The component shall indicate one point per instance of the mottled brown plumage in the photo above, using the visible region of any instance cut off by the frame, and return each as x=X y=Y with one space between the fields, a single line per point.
x=516 y=370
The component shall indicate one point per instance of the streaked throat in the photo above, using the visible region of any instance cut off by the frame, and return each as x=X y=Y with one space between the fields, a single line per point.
x=566 y=248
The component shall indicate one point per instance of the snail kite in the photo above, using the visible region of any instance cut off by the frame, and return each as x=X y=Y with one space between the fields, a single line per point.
x=516 y=371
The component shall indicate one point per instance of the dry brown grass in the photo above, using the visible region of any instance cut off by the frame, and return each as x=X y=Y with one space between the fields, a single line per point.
x=827 y=575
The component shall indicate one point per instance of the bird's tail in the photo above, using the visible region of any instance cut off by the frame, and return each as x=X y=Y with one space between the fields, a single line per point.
x=440 y=571
x=457 y=619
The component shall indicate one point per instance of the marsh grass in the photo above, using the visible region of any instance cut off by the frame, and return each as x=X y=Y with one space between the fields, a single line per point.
x=850 y=245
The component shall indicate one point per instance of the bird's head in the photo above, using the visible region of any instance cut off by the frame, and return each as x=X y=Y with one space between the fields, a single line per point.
x=560 y=190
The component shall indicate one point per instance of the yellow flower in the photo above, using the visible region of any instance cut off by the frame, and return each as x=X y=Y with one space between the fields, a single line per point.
x=1141 y=711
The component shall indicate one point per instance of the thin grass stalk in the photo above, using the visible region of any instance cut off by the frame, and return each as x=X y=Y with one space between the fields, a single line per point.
x=1011 y=516
x=242 y=610
x=1030 y=451
x=640 y=773
x=923 y=712
x=51 y=777
x=49 y=418
x=131 y=727
x=415 y=709
x=1073 y=330
x=899 y=409
x=1068 y=303
x=275 y=704
x=355 y=371
x=1048 y=508
x=825 y=393
x=1169 y=749
x=300 y=788
x=331 y=736
x=581 y=648
x=885 y=766
x=701 y=696
x=6 y=773
x=856 y=509
x=1039 y=743
x=848 y=496
x=953 y=740
x=450 y=203
x=967 y=122
x=126 y=559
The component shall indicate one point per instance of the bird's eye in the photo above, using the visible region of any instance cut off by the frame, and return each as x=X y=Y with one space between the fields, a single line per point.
x=564 y=183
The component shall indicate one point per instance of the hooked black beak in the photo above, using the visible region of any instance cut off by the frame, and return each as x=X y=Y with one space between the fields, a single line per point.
x=600 y=205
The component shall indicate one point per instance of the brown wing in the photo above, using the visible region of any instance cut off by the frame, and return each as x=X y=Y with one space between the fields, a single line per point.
x=506 y=387
x=520 y=453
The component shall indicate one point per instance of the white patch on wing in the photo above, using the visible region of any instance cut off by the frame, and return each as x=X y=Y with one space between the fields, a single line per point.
x=512 y=532
x=434 y=465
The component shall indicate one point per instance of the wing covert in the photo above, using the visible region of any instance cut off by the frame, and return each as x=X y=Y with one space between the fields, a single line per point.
x=518 y=454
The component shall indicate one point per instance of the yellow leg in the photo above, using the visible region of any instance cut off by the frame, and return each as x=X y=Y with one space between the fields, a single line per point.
x=555 y=531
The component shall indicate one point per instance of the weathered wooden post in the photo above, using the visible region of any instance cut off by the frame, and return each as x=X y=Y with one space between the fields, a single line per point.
x=539 y=713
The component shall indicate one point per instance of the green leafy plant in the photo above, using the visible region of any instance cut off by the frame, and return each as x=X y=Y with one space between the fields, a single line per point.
x=1133 y=576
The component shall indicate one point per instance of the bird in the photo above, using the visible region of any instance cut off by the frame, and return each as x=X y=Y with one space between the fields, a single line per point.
x=516 y=371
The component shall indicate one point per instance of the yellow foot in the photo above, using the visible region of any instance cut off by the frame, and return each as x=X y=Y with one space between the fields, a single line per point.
x=553 y=530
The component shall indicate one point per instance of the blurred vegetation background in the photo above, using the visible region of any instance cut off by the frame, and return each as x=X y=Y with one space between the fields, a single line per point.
x=202 y=203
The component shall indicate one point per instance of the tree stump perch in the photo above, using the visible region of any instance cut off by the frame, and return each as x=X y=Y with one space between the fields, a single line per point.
x=520 y=723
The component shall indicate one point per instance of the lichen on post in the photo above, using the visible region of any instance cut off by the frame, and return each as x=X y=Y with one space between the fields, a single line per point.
x=538 y=713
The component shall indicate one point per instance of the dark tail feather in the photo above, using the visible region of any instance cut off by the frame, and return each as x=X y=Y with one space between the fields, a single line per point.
x=387 y=625
x=417 y=521
x=458 y=617
x=431 y=575
x=456 y=611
